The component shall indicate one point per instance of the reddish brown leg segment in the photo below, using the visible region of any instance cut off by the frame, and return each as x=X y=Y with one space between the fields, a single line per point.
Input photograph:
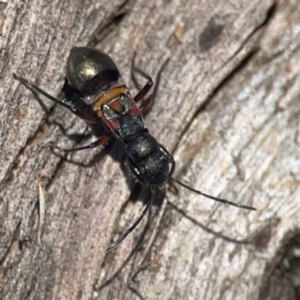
x=142 y=93
x=148 y=102
x=101 y=141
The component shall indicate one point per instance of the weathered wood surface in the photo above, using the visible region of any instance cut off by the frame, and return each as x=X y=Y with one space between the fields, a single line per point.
x=228 y=108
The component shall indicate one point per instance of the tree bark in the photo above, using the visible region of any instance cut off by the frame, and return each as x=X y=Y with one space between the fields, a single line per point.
x=227 y=108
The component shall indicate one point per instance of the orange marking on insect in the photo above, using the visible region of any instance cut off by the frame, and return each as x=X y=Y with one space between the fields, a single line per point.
x=108 y=96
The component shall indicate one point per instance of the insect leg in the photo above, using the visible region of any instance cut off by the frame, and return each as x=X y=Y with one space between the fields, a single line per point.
x=149 y=101
x=136 y=223
x=171 y=160
x=71 y=108
x=142 y=93
x=101 y=141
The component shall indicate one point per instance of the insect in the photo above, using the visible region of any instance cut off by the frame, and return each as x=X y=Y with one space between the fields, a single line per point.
x=106 y=101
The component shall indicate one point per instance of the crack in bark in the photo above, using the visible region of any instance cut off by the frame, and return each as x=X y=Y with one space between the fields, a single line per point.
x=242 y=64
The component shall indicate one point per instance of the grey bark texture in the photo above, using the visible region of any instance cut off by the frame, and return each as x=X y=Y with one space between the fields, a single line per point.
x=228 y=108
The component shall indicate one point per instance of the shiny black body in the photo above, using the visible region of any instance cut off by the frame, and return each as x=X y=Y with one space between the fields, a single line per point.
x=92 y=73
x=99 y=96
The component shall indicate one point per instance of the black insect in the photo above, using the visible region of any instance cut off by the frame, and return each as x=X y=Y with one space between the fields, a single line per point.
x=97 y=81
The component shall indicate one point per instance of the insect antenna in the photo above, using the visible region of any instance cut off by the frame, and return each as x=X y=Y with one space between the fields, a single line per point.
x=224 y=201
x=136 y=223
